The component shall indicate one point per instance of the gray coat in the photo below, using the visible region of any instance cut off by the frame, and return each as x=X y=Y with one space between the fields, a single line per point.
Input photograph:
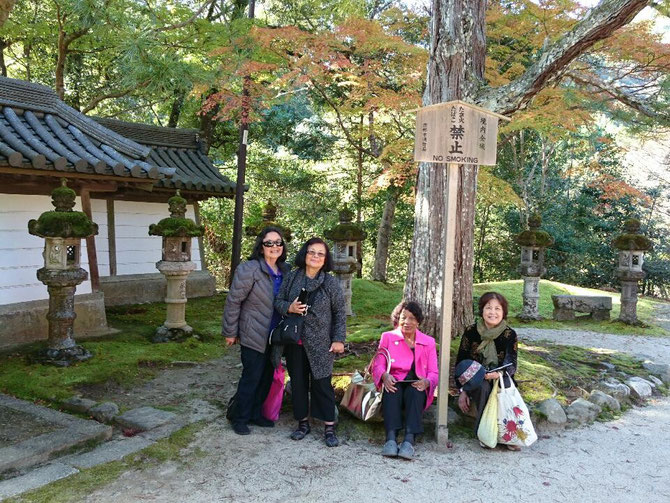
x=325 y=321
x=249 y=304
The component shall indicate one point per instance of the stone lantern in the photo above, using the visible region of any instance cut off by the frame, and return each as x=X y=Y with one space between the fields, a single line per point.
x=62 y=230
x=631 y=245
x=533 y=242
x=347 y=237
x=177 y=232
x=269 y=220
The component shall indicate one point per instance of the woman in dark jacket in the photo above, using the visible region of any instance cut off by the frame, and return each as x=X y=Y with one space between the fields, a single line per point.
x=492 y=343
x=249 y=317
x=310 y=362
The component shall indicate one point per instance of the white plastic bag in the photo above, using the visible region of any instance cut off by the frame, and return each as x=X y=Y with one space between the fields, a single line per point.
x=514 y=425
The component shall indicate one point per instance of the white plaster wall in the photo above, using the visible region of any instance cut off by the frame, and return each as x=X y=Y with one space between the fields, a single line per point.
x=21 y=253
x=136 y=251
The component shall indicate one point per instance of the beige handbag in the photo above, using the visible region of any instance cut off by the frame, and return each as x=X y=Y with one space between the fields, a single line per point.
x=362 y=398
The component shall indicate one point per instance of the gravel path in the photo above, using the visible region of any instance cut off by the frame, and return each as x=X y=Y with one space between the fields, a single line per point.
x=621 y=461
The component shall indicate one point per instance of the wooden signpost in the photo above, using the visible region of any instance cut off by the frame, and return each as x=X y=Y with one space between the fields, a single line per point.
x=453 y=133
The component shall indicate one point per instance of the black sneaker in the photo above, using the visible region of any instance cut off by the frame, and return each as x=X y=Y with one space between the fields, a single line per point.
x=241 y=429
x=262 y=422
x=331 y=439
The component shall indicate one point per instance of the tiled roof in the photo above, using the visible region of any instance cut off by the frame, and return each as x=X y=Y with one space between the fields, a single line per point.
x=180 y=149
x=39 y=131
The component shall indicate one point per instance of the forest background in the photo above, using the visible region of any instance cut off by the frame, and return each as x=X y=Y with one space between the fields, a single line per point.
x=329 y=87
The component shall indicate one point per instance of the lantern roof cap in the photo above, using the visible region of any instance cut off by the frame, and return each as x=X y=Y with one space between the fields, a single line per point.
x=533 y=236
x=176 y=225
x=346 y=230
x=63 y=222
x=631 y=239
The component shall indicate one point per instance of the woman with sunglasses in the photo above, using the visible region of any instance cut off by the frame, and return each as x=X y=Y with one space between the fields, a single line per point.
x=248 y=318
x=310 y=362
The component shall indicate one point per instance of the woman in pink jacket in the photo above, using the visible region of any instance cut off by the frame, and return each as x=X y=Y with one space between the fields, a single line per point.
x=409 y=386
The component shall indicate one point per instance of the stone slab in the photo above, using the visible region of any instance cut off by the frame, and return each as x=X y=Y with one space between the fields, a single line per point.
x=25 y=322
x=78 y=404
x=34 y=479
x=109 y=451
x=145 y=418
x=152 y=287
x=69 y=432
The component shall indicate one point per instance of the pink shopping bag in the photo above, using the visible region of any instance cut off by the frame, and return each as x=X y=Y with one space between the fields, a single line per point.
x=272 y=403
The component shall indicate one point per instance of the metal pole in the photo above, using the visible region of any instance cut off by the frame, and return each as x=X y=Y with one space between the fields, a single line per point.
x=441 y=427
x=241 y=172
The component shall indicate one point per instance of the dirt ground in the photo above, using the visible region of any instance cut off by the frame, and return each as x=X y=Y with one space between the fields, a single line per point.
x=621 y=461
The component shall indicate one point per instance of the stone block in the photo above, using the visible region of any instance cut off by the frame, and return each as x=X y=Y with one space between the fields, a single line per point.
x=660 y=370
x=152 y=287
x=25 y=322
x=145 y=418
x=67 y=432
x=552 y=411
x=109 y=451
x=640 y=389
x=104 y=412
x=35 y=478
x=604 y=400
x=582 y=411
x=617 y=390
x=565 y=306
x=78 y=404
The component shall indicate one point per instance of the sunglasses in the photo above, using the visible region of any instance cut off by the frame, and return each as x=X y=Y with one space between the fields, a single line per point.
x=270 y=244
x=316 y=254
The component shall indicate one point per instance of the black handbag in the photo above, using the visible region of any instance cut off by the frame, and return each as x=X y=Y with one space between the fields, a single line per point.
x=289 y=328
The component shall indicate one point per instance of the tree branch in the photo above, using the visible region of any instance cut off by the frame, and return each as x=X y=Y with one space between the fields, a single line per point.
x=117 y=94
x=618 y=94
x=195 y=15
x=599 y=23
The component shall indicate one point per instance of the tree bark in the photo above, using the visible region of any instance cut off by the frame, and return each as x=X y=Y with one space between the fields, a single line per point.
x=384 y=234
x=455 y=71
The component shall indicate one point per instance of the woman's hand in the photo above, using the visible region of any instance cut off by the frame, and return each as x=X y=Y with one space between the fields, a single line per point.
x=464 y=402
x=336 y=347
x=232 y=340
x=492 y=376
x=389 y=382
x=421 y=385
x=297 y=307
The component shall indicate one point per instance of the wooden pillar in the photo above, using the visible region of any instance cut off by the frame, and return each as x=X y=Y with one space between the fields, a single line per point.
x=90 y=242
x=201 y=248
x=111 y=236
x=441 y=426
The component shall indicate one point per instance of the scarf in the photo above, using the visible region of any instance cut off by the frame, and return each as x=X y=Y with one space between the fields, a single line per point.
x=488 y=347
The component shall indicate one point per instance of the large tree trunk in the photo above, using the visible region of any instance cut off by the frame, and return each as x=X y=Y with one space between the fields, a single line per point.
x=455 y=71
x=384 y=235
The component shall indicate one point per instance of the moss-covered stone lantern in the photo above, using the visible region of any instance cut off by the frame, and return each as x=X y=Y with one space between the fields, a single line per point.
x=533 y=242
x=177 y=232
x=62 y=230
x=347 y=238
x=631 y=245
x=269 y=219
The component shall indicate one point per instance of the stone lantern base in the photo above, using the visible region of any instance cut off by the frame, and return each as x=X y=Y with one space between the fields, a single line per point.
x=531 y=297
x=175 y=327
x=61 y=357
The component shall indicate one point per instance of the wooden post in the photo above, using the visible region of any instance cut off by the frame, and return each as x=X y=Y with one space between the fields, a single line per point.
x=90 y=242
x=201 y=248
x=441 y=427
x=111 y=236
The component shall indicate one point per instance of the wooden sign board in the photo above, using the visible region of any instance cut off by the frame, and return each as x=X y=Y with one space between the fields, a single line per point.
x=456 y=132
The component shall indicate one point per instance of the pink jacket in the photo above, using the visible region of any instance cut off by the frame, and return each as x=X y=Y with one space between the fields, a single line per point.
x=425 y=357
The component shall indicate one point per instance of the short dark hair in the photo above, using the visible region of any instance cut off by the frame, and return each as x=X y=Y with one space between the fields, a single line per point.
x=411 y=306
x=302 y=255
x=257 y=252
x=484 y=299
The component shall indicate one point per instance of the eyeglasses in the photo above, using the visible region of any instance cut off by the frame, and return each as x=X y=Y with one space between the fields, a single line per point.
x=270 y=244
x=316 y=254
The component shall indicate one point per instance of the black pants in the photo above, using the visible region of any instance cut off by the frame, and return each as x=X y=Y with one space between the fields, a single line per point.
x=302 y=382
x=254 y=384
x=412 y=401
